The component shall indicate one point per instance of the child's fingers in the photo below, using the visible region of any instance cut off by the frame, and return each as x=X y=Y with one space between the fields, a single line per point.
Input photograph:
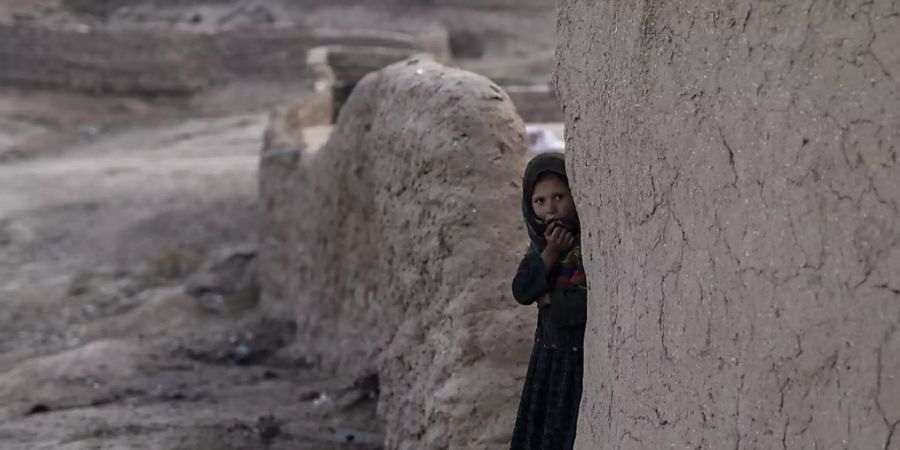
x=566 y=239
x=550 y=229
x=558 y=233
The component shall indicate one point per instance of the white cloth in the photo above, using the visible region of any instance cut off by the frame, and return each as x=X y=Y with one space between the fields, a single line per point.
x=542 y=140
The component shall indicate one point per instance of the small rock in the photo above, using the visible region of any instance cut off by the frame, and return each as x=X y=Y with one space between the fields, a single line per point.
x=268 y=428
x=38 y=408
x=323 y=399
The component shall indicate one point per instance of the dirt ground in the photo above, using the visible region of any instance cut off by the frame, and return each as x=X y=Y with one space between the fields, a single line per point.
x=122 y=326
x=128 y=302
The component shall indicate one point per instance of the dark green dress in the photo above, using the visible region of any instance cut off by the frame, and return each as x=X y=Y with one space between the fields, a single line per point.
x=548 y=409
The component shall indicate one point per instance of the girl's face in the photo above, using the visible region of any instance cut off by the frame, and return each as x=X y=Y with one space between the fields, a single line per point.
x=552 y=199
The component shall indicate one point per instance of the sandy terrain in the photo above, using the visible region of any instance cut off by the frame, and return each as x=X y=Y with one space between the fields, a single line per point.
x=109 y=336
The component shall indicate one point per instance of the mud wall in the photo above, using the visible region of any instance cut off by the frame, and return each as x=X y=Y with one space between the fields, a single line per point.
x=159 y=62
x=736 y=170
x=402 y=235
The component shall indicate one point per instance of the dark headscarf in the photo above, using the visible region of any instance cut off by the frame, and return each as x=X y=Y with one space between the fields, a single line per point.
x=571 y=270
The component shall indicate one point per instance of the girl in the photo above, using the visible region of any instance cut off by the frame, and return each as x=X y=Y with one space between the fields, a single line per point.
x=551 y=274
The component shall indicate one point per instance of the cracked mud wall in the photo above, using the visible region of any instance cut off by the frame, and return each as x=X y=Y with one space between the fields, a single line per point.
x=736 y=171
x=403 y=233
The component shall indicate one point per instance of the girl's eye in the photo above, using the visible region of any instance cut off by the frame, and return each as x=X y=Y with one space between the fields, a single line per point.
x=559 y=196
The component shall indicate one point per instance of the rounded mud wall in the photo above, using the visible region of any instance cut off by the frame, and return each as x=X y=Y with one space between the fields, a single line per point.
x=403 y=234
x=736 y=170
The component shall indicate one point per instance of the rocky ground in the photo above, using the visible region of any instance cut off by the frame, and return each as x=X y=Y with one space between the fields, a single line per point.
x=129 y=315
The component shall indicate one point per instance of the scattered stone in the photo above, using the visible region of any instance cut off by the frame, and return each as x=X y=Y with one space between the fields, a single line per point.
x=268 y=428
x=348 y=435
x=321 y=400
x=38 y=408
x=250 y=347
x=309 y=396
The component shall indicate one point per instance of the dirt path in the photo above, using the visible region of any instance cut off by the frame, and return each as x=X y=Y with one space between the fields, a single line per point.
x=121 y=323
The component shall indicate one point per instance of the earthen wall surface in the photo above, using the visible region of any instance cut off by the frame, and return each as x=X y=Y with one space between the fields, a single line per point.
x=736 y=170
x=403 y=234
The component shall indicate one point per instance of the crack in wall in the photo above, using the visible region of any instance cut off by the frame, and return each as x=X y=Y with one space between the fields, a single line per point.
x=879 y=368
x=784 y=234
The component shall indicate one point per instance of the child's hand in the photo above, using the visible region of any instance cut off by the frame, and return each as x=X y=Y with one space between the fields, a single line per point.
x=558 y=239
